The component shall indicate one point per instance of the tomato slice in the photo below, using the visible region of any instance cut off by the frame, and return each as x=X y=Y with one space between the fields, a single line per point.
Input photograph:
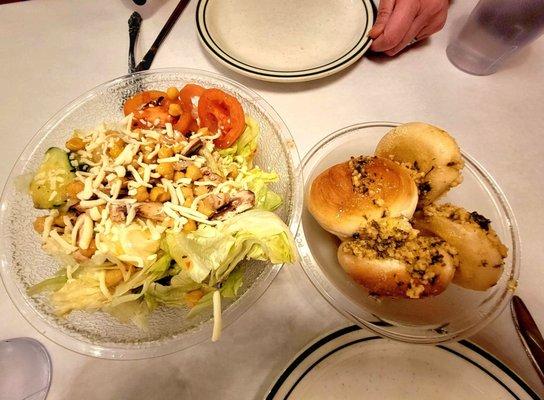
x=149 y=107
x=186 y=95
x=187 y=123
x=218 y=110
x=193 y=127
x=156 y=116
x=140 y=100
x=183 y=125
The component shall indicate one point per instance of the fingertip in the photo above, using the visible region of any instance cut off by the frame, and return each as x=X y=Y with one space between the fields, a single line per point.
x=376 y=31
x=375 y=46
x=380 y=44
x=387 y=42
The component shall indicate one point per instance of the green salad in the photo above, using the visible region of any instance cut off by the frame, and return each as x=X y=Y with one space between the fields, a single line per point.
x=158 y=209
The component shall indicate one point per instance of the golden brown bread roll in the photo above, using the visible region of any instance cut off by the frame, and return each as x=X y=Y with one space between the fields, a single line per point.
x=480 y=251
x=430 y=151
x=393 y=260
x=348 y=195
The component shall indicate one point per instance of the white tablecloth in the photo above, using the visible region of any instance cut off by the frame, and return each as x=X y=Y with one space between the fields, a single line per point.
x=52 y=51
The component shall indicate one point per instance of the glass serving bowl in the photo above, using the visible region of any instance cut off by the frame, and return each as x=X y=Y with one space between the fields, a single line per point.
x=98 y=334
x=452 y=315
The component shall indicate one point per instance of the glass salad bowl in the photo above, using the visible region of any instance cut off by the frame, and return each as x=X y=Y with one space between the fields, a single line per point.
x=452 y=315
x=98 y=334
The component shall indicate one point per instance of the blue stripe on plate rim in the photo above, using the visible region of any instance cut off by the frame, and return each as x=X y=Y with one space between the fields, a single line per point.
x=341 y=62
x=344 y=331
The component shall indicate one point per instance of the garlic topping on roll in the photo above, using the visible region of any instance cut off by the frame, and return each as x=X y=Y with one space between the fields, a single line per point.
x=389 y=258
x=347 y=196
x=431 y=152
x=481 y=253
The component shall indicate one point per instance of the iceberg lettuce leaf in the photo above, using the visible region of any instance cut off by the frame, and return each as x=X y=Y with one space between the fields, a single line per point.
x=246 y=145
x=213 y=252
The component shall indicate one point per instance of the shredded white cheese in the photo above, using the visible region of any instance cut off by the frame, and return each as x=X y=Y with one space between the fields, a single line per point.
x=92 y=203
x=120 y=171
x=225 y=185
x=169 y=130
x=105 y=214
x=138 y=261
x=77 y=226
x=87 y=191
x=103 y=287
x=102 y=188
x=217 y=322
x=99 y=178
x=128 y=121
x=87 y=231
x=115 y=189
x=155 y=151
x=123 y=201
x=173 y=214
x=172 y=190
x=168 y=159
x=48 y=223
x=205 y=183
x=95 y=214
x=67 y=247
x=189 y=213
x=52 y=195
x=111 y=177
x=131 y=214
x=103 y=196
x=151 y=133
x=137 y=177
x=197 y=199
x=127 y=154
x=147 y=173
x=199 y=133
x=180 y=195
x=70 y=269
x=67 y=222
x=88 y=161
x=211 y=137
x=155 y=230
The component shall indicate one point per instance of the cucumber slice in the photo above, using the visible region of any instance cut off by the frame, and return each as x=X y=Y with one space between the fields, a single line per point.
x=48 y=187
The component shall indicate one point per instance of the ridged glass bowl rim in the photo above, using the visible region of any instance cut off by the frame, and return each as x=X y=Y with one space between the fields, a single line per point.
x=192 y=336
x=309 y=264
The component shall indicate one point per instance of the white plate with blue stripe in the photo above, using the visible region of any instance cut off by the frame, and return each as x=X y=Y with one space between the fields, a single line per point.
x=285 y=40
x=352 y=363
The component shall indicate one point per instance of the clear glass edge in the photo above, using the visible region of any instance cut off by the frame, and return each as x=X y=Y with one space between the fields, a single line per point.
x=235 y=311
x=306 y=255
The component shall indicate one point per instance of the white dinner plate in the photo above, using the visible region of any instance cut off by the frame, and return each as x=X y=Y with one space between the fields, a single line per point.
x=351 y=363
x=285 y=40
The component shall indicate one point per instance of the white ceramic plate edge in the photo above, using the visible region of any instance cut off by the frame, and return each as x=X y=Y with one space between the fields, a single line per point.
x=336 y=340
x=258 y=73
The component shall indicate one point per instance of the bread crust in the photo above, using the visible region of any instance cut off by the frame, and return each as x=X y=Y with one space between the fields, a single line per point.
x=394 y=277
x=430 y=152
x=340 y=208
x=480 y=251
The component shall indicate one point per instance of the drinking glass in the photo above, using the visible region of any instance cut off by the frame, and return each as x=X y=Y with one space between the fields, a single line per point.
x=494 y=31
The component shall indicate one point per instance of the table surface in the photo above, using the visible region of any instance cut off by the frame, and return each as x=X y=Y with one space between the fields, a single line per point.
x=52 y=51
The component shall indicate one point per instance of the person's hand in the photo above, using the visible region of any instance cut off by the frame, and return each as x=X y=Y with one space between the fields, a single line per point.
x=401 y=22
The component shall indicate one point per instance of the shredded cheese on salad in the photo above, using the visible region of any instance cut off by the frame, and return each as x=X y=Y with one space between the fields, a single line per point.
x=158 y=209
